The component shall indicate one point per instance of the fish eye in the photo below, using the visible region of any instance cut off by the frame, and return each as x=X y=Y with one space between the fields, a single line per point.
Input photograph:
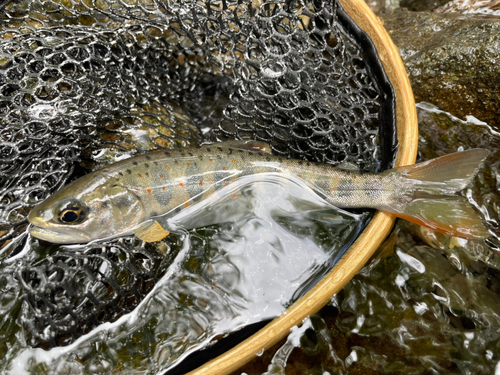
x=71 y=212
x=70 y=216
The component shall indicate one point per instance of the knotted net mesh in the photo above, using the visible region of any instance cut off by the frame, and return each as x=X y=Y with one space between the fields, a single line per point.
x=84 y=83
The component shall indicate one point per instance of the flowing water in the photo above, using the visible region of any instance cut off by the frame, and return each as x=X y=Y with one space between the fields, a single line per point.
x=426 y=302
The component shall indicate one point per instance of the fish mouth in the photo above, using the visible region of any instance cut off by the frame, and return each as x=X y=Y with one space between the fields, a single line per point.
x=55 y=237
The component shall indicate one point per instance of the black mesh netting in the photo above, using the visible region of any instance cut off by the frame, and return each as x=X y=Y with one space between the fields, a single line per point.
x=84 y=83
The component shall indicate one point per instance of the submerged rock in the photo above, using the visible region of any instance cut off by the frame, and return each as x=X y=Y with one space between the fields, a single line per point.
x=452 y=61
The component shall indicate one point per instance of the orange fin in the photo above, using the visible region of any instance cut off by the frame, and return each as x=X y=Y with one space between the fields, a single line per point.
x=151 y=232
x=449 y=215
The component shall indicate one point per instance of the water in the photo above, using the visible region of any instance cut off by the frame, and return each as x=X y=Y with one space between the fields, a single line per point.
x=271 y=244
x=426 y=302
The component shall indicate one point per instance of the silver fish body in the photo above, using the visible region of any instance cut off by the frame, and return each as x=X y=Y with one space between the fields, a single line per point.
x=117 y=199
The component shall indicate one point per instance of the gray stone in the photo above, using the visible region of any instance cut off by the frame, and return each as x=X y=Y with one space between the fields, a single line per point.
x=453 y=61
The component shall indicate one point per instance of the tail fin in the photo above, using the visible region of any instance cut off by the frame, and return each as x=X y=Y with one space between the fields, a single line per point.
x=437 y=179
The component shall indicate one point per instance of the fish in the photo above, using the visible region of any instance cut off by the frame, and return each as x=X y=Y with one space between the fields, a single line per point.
x=126 y=197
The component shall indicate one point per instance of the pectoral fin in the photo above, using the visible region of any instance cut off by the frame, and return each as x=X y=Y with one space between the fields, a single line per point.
x=151 y=232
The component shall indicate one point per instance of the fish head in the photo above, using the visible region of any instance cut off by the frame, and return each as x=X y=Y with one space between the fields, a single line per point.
x=86 y=210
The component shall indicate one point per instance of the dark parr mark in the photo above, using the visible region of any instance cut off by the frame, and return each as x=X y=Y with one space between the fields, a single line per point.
x=346 y=189
x=373 y=189
x=128 y=171
x=163 y=195
x=148 y=157
x=134 y=163
x=193 y=185
x=146 y=165
x=221 y=177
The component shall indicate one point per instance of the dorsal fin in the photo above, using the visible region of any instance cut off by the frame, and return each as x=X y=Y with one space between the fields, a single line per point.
x=248 y=145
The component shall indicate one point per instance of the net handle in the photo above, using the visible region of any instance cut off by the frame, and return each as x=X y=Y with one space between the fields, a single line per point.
x=370 y=239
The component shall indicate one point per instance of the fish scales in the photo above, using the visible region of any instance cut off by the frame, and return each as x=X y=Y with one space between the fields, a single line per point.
x=125 y=196
x=165 y=182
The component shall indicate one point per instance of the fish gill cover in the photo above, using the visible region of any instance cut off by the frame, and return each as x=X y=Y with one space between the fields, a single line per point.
x=86 y=83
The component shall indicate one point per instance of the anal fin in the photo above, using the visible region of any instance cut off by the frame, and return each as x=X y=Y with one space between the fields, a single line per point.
x=151 y=232
x=449 y=215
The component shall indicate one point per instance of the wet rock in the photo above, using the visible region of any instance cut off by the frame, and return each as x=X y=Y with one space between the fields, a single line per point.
x=376 y=6
x=422 y=5
x=452 y=61
x=487 y=8
x=382 y=6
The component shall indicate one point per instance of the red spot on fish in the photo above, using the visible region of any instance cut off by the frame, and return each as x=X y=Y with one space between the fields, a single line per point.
x=168 y=168
x=187 y=164
x=187 y=204
x=330 y=190
x=209 y=159
x=149 y=191
x=161 y=176
x=181 y=185
x=163 y=188
x=225 y=183
x=298 y=174
x=234 y=195
x=251 y=164
x=136 y=190
x=139 y=174
x=234 y=160
x=201 y=182
x=223 y=168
